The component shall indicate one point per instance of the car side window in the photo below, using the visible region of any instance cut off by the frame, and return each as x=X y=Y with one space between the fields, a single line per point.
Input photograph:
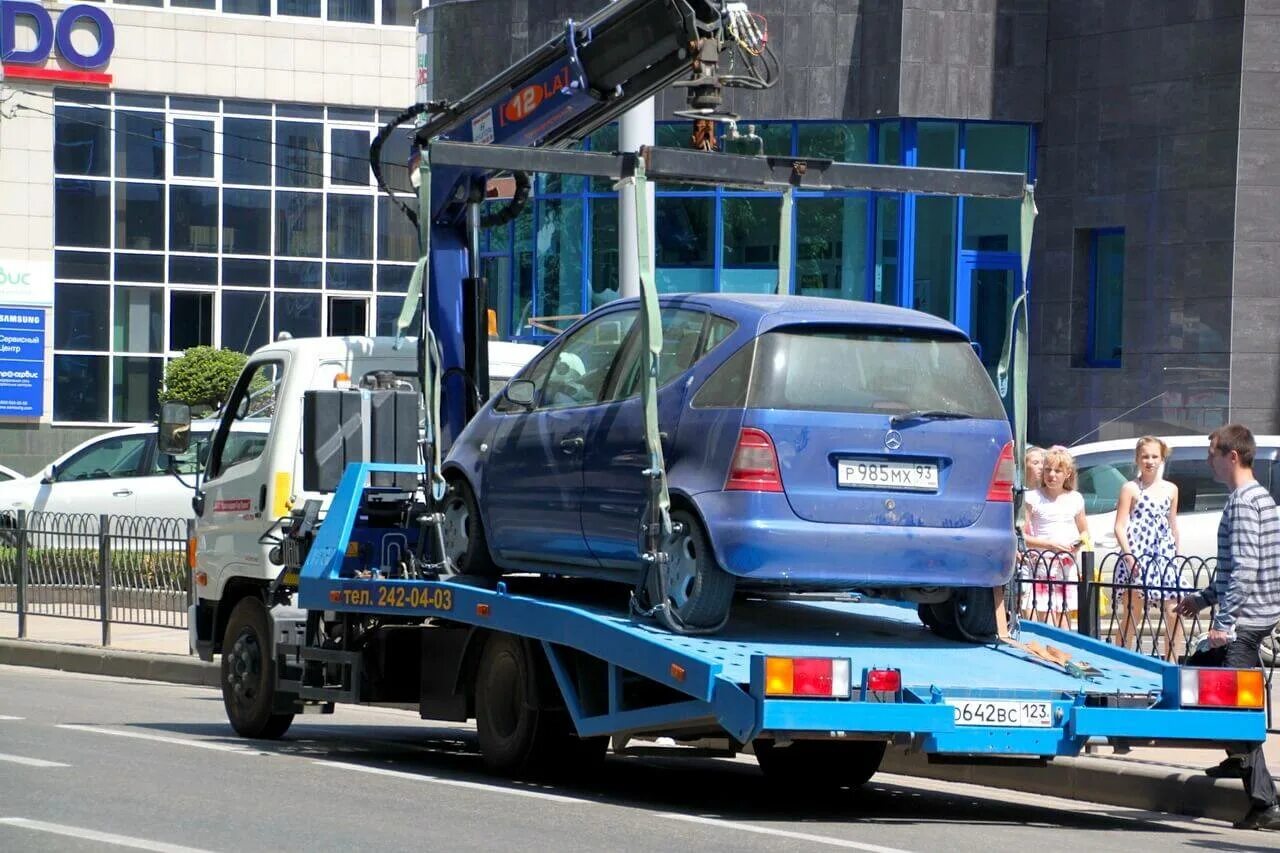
x=682 y=333
x=726 y=388
x=1197 y=490
x=118 y=456
x=254 y=398
x=1099 y=480
x=580 y=366
x=186 y=462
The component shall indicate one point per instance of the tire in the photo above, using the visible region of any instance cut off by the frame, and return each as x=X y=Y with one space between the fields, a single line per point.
x=699 y=592
x=814 y=766
x=464 y=539
x=249 y=673
x=523 y=729
x=969 y=616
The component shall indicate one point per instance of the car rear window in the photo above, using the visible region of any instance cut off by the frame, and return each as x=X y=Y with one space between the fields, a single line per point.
x=863 y=370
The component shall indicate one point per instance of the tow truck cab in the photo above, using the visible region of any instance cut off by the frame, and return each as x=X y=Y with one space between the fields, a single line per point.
x=249 y=486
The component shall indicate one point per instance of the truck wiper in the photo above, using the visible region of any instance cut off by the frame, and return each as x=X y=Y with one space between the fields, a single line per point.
x=928 y=415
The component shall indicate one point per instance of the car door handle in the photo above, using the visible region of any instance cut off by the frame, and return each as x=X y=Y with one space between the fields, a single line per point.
x=572 y=445
x=123 y=493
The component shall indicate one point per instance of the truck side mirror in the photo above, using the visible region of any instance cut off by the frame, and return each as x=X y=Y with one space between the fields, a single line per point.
x=520 y=392
x=175 y=428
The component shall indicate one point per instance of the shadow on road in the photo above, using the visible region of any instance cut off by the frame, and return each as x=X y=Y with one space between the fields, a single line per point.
x=725 y=789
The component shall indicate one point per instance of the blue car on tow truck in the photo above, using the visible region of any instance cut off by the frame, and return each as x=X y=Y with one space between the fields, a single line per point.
x=805 y=439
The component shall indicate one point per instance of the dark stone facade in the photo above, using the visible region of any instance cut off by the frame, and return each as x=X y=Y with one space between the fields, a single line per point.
x=1162 y=118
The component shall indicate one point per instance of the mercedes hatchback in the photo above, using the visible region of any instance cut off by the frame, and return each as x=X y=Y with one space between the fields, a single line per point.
x=812 y=445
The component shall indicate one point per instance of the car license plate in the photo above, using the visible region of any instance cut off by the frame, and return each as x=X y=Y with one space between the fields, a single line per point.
x=974 y=712
x=877 y=474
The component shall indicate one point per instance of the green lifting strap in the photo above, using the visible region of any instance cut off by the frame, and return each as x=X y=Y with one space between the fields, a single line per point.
x=412 y=298
x=1013 y=358
x=784 y=241
x=651 y=347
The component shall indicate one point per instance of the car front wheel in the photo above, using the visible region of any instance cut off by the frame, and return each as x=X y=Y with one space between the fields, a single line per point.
x=698 y=591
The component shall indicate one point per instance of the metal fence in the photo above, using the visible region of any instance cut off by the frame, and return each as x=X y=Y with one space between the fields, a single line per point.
x=1126 y=599
x=103 y=568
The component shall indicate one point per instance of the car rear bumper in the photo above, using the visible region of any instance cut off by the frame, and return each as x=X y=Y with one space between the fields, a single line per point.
x=757 y=537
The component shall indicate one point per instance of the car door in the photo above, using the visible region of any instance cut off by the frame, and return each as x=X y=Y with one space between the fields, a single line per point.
x=615 y=490
x=232 y=517
x=102 y=477
x=533 y=476
x=162 y=495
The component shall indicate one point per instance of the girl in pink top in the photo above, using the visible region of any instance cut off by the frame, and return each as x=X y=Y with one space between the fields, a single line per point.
x=1054 y=524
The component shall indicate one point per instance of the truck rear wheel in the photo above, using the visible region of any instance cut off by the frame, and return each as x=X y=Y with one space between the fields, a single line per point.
x=464 y=540
x=819 y=765
x=249 y=673
x=523 y=728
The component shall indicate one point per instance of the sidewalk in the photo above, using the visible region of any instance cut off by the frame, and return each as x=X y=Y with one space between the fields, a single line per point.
x=1158 y=779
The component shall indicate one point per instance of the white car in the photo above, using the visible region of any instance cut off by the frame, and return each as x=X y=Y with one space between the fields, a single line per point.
x=1104 y=466
x=7 y=474
x=122 y=474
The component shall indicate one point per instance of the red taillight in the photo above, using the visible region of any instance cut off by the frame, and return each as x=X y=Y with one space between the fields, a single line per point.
x=1223 y=688
x=755 y=464
x=812 y=677
x=884 y=680
x=1001 y=488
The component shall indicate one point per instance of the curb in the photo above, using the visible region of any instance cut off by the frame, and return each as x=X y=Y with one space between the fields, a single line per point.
x=1116 y=782
x=95 y=660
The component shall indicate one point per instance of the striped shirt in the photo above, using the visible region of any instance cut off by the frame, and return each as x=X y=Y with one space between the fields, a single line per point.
x=1246 y=585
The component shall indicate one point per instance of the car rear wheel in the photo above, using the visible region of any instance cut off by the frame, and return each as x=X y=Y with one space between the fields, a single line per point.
x=969 y=616
x=699 y=592
x=464 y=539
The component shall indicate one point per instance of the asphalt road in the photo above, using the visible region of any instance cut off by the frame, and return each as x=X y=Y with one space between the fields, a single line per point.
x=92 y=763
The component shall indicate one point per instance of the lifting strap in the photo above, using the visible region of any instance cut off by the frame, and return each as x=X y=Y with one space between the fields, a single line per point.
x=651 y=351
x=784 y=241
x=1013 y=367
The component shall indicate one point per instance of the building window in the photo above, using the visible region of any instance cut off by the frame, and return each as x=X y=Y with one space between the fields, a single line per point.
x=1106 y=297
x=181 y=222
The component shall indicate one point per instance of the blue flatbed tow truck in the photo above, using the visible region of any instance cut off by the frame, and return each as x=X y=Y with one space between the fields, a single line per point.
x=367 y=609
x=832 y=678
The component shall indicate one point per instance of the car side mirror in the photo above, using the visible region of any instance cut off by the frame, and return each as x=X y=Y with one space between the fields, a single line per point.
x=520 y=392
x=50 y=474
x=175 y=428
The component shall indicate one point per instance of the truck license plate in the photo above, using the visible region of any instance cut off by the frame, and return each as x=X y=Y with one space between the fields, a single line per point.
x=876 y=474
x=975 y=712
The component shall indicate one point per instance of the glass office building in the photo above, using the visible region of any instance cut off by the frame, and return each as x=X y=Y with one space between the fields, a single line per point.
x=207 y=184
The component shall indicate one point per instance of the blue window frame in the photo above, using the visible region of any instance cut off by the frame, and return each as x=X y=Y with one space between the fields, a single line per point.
x=853 y=245
x=1106 y=297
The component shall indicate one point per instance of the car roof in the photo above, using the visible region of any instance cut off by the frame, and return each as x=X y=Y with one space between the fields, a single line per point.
x=770 y=311
x=1174 y=441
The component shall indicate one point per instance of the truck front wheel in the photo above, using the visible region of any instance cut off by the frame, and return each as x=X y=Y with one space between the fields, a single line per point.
x=249 y=673
x=818 y=765
x=523 y=729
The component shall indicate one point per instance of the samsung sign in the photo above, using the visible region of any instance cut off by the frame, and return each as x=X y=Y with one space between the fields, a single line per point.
x=77 y=66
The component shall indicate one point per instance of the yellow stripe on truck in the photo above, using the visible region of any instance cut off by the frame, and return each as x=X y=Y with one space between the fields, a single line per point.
x=282 y=494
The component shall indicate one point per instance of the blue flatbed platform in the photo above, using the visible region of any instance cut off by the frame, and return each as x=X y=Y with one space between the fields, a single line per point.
x=716 y=682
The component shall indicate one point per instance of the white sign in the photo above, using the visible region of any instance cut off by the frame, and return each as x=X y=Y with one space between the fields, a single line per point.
x=26 y=282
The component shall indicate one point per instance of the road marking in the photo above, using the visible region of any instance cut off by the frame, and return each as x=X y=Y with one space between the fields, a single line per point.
x=200 y=744
x=6 y=717
x=30 y=762
x=456 y=783
x=94 y=835
x=781 y=833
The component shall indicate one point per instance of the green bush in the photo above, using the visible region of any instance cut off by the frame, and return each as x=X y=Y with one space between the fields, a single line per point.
x=202 y=378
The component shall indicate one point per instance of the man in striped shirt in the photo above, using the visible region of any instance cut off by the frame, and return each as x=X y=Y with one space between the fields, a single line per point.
x=1246 y=591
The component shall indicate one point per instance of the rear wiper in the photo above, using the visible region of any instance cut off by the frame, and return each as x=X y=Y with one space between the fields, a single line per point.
x=928 y=415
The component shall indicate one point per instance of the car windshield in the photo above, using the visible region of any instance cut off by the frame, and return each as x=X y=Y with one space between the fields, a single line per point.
x=864 y=370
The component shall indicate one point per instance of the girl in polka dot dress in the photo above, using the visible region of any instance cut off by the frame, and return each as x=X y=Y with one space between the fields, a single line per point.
x=1147 y=532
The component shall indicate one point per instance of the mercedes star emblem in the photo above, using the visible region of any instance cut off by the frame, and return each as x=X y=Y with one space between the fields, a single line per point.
x=892 y=439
